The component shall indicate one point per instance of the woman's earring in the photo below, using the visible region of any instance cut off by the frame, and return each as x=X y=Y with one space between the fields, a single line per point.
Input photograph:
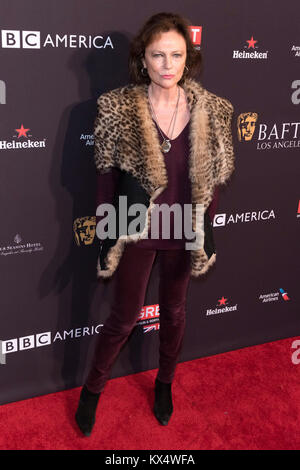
x=143 y=70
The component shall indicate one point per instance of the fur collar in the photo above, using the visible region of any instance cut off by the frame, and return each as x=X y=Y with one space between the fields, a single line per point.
x=200 y=156
x=127 y=111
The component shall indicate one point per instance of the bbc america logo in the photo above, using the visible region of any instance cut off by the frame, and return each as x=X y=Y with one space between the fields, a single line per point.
x=15 y=39
x=219 y=220
x=253 y=216
x=26 y=342
x=43 y=339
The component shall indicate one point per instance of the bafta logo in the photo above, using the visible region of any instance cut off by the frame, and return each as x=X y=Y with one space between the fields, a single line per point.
x=246 y=126
x=84 y=230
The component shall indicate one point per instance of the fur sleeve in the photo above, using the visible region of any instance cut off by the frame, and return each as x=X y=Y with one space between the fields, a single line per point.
x=225 y=160
x=105 y=126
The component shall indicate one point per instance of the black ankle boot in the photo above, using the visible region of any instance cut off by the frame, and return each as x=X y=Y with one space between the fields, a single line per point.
x=163 y=406
x=86 y=412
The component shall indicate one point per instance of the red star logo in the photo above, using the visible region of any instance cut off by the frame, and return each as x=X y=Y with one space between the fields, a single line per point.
x=222 y=301
x=251 y=43
x=22 y=131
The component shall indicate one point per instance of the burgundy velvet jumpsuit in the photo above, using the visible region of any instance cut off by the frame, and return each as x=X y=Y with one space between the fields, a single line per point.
x=132 y=275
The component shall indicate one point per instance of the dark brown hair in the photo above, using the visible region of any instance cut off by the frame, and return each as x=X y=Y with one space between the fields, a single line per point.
x=158 y=23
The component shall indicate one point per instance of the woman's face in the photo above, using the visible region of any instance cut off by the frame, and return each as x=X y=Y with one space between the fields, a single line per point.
x=165 y=59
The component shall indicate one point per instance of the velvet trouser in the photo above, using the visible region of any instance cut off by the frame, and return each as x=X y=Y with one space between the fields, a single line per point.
x=130 y=284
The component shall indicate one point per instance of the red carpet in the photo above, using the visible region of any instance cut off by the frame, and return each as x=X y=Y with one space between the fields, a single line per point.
x=244 y=399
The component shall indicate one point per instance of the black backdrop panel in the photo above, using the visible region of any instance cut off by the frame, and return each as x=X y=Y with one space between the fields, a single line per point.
x=56 y=59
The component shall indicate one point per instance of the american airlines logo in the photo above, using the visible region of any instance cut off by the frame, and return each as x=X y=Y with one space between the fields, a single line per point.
x=87 y=139
x=15 y=39
x=295 y=50
x=274 y=296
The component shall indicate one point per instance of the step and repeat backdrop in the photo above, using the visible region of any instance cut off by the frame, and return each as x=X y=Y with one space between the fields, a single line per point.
x=56 y=58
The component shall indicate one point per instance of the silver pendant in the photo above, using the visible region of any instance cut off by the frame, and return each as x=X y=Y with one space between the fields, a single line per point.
x=165 y=146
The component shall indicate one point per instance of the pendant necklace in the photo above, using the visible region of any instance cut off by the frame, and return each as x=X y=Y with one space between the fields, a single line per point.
x=166 y=145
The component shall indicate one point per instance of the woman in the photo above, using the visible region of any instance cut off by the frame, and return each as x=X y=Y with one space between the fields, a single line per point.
x=163 y=138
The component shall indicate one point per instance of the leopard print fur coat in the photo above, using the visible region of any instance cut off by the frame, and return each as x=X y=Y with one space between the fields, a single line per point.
x=125 y=137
